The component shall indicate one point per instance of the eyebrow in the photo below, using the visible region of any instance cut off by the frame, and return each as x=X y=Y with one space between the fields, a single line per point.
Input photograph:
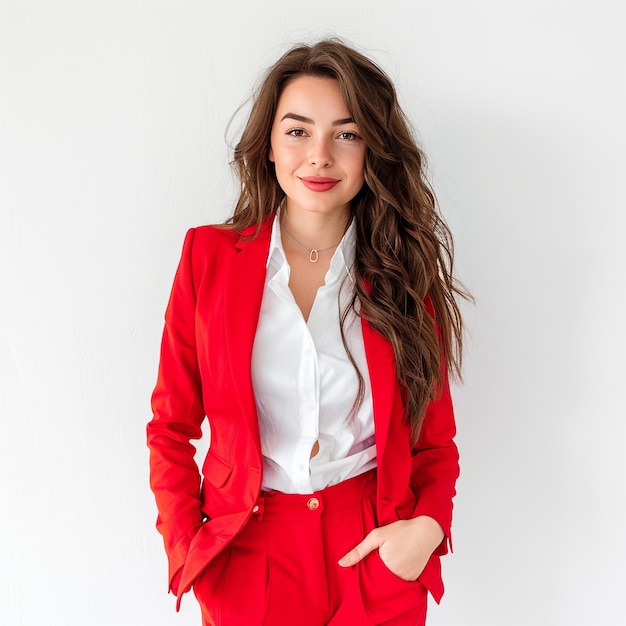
x=308 y=120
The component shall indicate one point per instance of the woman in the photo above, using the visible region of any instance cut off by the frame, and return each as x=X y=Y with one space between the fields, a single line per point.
x=315 y=331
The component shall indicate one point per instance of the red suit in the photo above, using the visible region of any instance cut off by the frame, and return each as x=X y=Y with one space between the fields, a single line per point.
x=207 y=345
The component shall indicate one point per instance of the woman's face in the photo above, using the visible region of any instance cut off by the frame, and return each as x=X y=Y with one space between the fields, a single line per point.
x=316 y=147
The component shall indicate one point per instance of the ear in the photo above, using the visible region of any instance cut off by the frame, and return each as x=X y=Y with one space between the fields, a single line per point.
x=271 y=155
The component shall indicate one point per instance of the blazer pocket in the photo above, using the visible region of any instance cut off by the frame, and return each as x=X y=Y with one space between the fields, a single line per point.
x=216 y=470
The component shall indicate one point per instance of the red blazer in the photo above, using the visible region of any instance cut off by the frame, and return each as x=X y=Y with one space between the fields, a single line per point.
x=204 y=370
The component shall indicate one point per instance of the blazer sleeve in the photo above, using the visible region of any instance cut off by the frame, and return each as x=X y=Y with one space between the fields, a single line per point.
x=177 y=417
x=436 y=465
x=436 y=458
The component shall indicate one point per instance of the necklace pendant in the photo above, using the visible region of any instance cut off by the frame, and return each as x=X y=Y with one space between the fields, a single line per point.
x=314 y=255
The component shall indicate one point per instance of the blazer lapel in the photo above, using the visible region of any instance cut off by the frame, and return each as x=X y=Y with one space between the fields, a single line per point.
x=243 y=296
x=382 y=371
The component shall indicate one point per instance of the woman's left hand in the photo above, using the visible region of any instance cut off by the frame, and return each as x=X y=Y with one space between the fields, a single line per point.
x=404 y=546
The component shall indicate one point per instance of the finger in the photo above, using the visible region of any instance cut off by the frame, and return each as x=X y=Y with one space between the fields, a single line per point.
x=360 y=551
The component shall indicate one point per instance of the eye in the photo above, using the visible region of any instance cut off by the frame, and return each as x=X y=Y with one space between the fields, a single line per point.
x=296 y=132
x=348 y=135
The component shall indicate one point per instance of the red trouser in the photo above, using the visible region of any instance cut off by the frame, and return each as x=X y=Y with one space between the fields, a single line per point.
x=281 y=570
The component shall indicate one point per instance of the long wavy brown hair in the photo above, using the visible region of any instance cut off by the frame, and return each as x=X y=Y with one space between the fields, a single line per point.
x=404 y=249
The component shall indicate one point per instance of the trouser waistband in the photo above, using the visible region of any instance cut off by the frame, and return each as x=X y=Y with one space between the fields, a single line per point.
x=279 y=506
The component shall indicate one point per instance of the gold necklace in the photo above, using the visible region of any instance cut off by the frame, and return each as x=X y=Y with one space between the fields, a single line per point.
x=314 y=253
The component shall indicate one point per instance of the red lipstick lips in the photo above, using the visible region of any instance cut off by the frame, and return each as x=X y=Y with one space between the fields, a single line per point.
x=318 y=183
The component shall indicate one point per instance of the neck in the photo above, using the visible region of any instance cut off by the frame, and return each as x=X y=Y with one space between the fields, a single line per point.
x=316 y=230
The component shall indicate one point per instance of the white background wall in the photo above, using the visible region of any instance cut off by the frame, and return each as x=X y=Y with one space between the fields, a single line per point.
x=112 y=119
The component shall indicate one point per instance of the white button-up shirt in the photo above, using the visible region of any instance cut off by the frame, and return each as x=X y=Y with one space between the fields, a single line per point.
x=304 y=383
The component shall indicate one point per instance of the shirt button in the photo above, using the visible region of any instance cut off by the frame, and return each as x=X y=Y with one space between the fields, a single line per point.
x=312 y=504
x=256 y=508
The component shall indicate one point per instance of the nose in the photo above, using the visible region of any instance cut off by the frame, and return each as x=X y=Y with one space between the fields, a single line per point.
x=320 y=152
